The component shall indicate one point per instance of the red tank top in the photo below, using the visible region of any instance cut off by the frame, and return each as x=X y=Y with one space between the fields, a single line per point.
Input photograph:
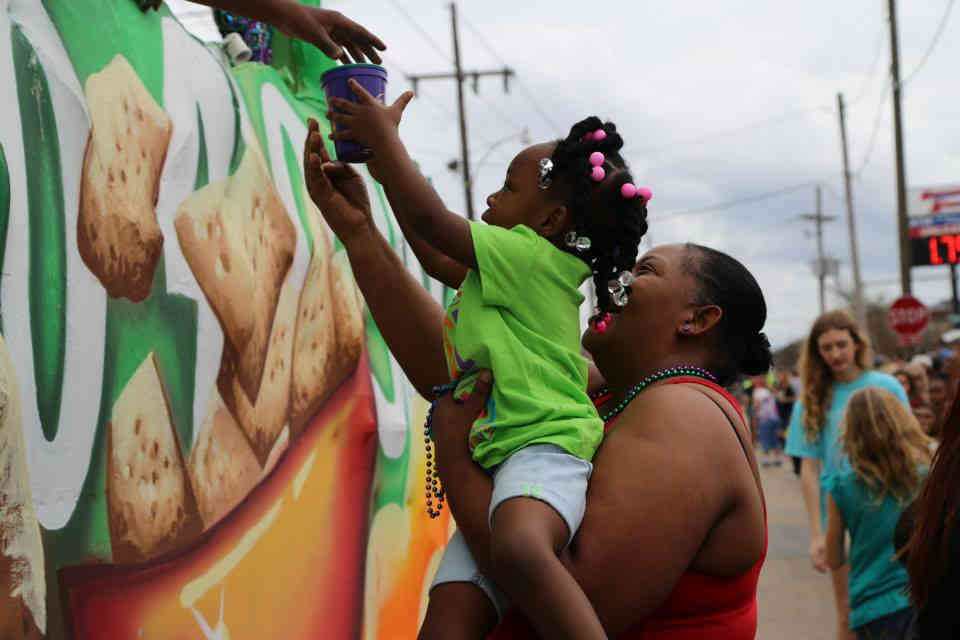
x=700 y=606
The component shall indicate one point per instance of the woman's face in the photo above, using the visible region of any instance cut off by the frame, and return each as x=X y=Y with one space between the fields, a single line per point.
x=838 y=350
x=662 y=290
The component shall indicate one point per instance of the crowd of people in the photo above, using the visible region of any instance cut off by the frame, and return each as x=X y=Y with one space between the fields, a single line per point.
x=620 y=495
x=862 y=431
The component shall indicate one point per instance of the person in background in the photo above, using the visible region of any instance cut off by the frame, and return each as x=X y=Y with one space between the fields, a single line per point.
x=939 y=385
x=904 y=380
x=766 y=422
x=833 y=364
x=919 y=392
x=330 y=31
x=785 y=388
x=929 y=538
x=889 y=456
x=927 y=418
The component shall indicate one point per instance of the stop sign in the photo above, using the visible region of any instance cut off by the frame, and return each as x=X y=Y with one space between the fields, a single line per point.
x=907 y=318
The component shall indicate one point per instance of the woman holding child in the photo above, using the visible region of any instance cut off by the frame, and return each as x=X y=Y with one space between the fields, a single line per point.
x=670 y=546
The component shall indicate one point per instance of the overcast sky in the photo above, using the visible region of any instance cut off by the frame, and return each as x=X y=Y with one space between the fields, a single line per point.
x=717 y=101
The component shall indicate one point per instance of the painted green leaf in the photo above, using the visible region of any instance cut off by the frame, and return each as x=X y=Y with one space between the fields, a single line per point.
x=4 y=215
x=46 y=231
x=203 y=173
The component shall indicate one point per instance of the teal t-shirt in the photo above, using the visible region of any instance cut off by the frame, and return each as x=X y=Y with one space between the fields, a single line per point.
x=826 y=448
x=517 y=314
x=877 y=578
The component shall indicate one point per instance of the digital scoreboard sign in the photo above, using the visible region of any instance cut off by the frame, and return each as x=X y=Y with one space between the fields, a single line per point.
x=939 y=249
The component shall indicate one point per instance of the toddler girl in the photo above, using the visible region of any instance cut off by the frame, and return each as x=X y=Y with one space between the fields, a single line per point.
x=568 y=210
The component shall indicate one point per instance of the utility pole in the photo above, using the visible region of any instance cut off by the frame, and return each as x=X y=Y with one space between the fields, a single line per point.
x=903 y=227
x=818 y=219
x=460 y=75
x=859 y=308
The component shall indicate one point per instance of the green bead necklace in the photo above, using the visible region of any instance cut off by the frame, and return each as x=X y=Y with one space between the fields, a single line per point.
x=656 y=376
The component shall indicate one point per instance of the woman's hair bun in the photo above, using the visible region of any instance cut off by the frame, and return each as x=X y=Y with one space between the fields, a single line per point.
x=757 y=357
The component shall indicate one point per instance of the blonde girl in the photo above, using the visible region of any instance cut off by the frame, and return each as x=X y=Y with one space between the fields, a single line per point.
x=889 y=456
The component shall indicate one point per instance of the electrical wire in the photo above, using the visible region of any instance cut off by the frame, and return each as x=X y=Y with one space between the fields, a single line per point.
x=756 y=124
x=555 y=128
x=720 y=206
x=423 y=32
x=873 y=134
x=933 y=43
x=862 y=92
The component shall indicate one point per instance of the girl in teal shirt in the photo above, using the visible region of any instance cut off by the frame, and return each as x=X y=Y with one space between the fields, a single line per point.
x=888 y=457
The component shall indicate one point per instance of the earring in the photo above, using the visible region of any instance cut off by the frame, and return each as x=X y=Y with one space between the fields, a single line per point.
x=685 y=328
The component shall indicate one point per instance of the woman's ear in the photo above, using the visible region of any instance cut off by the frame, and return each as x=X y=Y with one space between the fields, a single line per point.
x=554 y=221
x=701 y=320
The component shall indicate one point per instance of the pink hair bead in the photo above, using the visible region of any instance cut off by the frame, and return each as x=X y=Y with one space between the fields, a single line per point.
x=628 y=191
x=599 y=135
x=597 y=159
x=600 y=326
x=598 y=174
x=645 y=193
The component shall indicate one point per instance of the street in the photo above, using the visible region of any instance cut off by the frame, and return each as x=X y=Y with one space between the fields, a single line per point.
x=794 y=600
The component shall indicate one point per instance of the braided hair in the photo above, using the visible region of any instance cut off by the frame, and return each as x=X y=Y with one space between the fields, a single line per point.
x=614 y=224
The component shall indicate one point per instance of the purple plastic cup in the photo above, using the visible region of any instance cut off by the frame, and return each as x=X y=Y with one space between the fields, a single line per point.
x=371 y=77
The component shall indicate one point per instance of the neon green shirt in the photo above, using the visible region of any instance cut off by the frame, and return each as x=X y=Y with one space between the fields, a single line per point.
x=517 y=314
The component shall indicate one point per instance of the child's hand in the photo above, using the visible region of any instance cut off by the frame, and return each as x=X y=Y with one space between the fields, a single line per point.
x=370 y=122
x=336 y=188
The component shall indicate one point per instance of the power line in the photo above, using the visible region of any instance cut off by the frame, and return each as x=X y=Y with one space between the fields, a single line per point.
x=500 y=114
x=873 y=134
x=738 y=129
x=719 y=206
x=523 y=87
x=423 y=32
x=862 y=92
x=933 y=43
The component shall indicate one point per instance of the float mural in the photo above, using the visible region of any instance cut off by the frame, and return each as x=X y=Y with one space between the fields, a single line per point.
x=202 y=433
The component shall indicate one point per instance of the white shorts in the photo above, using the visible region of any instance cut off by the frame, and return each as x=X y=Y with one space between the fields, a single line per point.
x=542 y=471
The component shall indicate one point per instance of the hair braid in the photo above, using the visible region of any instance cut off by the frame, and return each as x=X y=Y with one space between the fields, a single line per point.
x=613 y=223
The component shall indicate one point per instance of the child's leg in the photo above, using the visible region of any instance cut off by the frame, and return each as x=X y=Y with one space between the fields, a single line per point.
x=458 y=611
x=464 y=604
x=527 y=536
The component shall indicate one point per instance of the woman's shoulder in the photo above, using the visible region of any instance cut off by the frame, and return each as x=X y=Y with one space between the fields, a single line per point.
x=874 y=378
x=674 y=411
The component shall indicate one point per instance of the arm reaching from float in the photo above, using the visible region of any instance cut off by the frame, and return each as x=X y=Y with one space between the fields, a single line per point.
x=330 y=31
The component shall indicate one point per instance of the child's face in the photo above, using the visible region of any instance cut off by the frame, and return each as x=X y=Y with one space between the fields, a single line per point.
x=520 y=200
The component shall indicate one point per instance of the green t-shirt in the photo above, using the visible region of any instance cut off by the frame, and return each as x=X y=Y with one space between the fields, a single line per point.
x=877 y=579
x=517 y=314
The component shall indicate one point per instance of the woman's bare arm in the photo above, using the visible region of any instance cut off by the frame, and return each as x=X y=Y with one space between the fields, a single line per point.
x=810 y=484
x=409 y=319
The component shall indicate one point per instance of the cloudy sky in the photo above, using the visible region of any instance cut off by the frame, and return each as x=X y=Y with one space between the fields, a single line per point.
x=719 y=103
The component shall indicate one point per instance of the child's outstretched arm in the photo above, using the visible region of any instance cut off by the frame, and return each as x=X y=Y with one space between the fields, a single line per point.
x=414 y=201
